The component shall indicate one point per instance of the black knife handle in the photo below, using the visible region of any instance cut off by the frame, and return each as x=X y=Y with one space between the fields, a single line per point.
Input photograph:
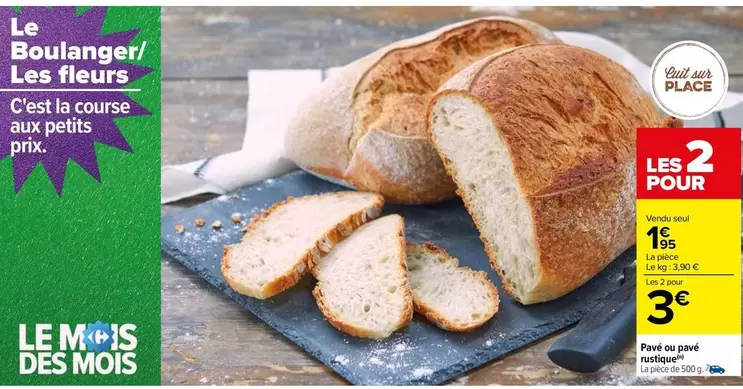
x=602 y=334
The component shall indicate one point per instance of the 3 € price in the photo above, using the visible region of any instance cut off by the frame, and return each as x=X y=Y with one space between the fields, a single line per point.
x=669 y=173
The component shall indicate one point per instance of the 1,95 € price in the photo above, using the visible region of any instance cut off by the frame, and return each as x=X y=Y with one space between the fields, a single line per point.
x=662 y=238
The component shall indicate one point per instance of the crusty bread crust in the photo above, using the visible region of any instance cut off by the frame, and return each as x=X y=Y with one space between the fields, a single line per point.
x=439 y=319
x=568 y=117
x=309 y=258
x=346 y=131
x=407 y=313
x=401 y=155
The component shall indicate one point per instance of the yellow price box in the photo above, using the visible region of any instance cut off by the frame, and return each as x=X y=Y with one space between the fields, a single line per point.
x=688 y=252
x=688 y=258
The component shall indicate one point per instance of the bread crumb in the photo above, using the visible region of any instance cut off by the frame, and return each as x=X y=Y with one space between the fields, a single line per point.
x=180 y=228
x=272 y=379
x=217 y=225
x=235 y=196
x=200 y=222
x=236 y=218
x=341 y=359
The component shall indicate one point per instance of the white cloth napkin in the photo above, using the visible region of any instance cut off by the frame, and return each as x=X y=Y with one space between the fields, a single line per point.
x=275 y=94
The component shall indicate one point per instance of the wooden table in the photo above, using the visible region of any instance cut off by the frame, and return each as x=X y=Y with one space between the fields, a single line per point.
x=208 y=339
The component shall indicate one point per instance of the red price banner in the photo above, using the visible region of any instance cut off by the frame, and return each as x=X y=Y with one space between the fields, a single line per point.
x=688 y=163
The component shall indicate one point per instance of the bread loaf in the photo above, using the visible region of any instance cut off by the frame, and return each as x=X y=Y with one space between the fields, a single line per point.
x=283 y=243
x=362 y=288
x=452 y=297
x=540 y=141
x=365 y=126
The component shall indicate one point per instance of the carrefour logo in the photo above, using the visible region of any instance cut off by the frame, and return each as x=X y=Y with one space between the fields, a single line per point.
x=98 y=337
x=93 y=348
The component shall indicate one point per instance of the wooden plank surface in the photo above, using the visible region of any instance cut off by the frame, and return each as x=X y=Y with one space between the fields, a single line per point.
x=207 y=339
x=202 y=118
x=225 y=42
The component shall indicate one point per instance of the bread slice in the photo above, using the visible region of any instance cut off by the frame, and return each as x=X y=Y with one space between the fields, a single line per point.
x=281 y=245
x=362 y=286
x=452 y=297
x=540 y=141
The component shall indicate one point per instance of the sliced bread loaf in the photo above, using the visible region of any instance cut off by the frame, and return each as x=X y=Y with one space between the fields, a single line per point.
x=362 y=286
x=280 y=245
x=365 y=125
x=540 y=141
x=452 y=297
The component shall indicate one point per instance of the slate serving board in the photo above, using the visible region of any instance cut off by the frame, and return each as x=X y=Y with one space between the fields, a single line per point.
x=419 y=354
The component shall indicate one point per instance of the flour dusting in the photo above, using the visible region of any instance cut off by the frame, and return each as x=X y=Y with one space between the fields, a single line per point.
x=401 y=347
x=376 y=361
x=341 y=360
x=220 y=236
x=422 y=372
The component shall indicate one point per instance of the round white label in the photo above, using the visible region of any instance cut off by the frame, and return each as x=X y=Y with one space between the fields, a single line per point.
x=688 y=80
